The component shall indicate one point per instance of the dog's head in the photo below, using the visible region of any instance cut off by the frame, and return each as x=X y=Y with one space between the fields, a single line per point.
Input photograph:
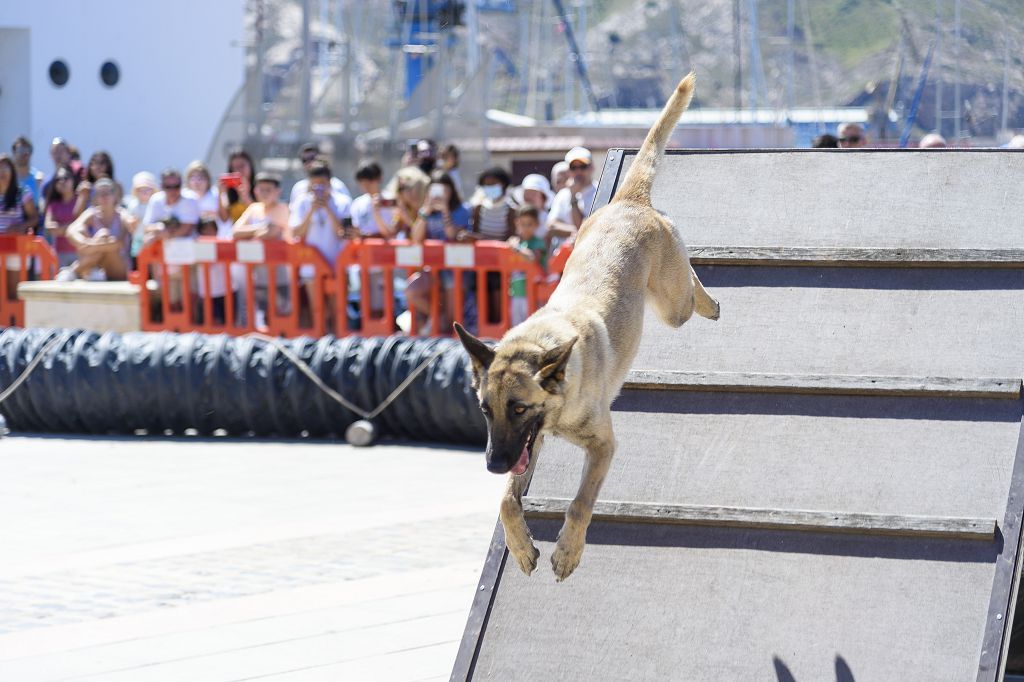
x=520 y=388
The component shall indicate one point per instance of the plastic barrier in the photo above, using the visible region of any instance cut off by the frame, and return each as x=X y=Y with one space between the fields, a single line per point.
x=24 y=257
x=212 y=285
x=379 y=259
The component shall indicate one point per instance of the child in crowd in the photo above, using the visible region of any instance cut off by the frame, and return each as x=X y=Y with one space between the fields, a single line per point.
x=527 y=242
x=143 y=188
x=60 y=213
x=266 y=219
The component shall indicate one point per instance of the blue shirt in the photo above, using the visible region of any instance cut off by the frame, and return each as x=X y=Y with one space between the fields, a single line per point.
x=435 y=222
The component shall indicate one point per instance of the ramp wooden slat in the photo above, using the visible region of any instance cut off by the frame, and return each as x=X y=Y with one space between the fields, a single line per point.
x=855 y=257
x=827 y=483
x=833 y=384
x=775 y=519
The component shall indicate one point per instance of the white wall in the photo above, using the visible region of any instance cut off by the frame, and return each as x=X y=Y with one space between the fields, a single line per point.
x=181 y=63
x=15 y=95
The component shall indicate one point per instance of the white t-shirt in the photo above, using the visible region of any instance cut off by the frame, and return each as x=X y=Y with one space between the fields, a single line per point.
x=561 y=205
x=321 y=234
x=186 y=210
x=362 y=215
x=301 y=188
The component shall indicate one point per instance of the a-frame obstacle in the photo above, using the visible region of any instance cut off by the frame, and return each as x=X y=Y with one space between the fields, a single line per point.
x=828 y=482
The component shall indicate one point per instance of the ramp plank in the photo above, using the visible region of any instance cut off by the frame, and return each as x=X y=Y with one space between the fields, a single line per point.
x=778 y=519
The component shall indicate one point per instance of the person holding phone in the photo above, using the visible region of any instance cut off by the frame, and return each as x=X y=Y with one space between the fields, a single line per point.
x=319 y=218
x=443 y=214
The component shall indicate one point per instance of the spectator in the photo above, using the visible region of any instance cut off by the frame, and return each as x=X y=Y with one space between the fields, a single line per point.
x=371 y=214
x=527 y=241
x=199 y=187
x=409 y=188
x=932 y=141
x=442 y=217
x=574 y=201
x=449 y=157
x=29 y=177
x=825 y=141
x=100 y=166
x=60 y=213
x=236 y=186
x=535 y=191
x=169 y=214
x=100 y=237
x=18 y=212
x=61 y=155
x=426 y=155
x=851 y=136
x=265 y=218
x=310 y=154
x=491 y=216
x=443 y=214
x=318 y=218
x=143 y=187
x=559 y=176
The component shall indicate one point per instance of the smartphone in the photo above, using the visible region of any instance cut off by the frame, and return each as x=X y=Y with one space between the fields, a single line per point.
x=436 y=191
x=388 y=203
x=230 y=180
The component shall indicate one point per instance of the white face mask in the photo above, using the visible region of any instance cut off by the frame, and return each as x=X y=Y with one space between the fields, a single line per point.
x=492 y=192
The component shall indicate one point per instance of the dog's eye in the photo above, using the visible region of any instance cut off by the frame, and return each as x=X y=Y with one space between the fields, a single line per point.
x=485 y=408
x=519 y=409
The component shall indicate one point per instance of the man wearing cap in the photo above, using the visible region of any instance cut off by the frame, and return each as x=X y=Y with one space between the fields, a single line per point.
x=308 y=155
x=574 y=201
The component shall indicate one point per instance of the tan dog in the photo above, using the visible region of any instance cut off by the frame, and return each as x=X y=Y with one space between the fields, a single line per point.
x=559 y=371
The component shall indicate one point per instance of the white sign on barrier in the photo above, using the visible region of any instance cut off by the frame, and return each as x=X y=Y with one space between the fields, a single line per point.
x=179 y=251
x=206 y=252
x=459 y=255
x=250 y=251
x=409 y=256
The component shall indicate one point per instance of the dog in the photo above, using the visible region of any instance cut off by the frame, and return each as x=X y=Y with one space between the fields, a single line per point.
x=559 y=370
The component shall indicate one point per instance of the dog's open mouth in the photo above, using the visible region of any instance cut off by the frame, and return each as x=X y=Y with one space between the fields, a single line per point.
x=524 y=458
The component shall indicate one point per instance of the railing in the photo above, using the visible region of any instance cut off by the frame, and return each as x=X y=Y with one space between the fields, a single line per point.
x=24 y=258
x=288 y=289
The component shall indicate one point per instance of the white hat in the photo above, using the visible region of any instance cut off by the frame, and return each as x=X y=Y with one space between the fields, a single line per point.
x=533 y=181
x=579 y=154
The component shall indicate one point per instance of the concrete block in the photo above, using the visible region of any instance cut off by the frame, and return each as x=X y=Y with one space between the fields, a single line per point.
x=97 y=306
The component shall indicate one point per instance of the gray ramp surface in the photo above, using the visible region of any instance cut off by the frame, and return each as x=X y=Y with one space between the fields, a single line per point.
x=828 y=482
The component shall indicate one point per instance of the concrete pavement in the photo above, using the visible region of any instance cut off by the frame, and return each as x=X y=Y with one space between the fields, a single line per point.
x=212 y=559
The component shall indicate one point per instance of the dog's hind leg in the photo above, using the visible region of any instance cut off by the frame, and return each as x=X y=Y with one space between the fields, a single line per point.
x=675 y=291
x=517 y=533
x=703 y=303
x=600 y=448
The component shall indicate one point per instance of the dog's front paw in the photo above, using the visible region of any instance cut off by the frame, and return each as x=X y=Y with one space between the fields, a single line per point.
x=526 y=556
x=565 y=559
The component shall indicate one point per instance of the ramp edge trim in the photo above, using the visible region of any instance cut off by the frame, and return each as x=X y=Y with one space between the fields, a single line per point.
x=828 y=384
x=961 y=528
x=842 y=256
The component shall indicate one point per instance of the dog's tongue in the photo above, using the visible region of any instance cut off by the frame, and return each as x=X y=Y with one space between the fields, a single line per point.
x=524 y=461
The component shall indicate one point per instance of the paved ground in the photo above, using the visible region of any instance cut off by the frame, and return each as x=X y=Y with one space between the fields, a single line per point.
x=147 y=559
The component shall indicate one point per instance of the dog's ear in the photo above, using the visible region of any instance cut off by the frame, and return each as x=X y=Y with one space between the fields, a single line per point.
x=552 y=366
x=479 y=352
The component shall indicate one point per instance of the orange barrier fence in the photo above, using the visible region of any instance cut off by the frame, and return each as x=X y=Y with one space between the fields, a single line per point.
x=24 y=258
x=288 y=289
x=223 y=286
x=481 y=274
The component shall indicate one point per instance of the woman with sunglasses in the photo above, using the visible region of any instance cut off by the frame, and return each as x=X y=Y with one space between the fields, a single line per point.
x=100 y=237
x=60 y=213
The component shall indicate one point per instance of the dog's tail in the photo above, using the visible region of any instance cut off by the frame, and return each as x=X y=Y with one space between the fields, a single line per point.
x=638 y=181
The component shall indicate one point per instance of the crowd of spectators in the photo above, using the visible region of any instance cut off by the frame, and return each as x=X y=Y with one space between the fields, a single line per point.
x=98 y=229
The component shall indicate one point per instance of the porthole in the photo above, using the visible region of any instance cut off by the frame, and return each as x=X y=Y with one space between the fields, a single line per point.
x=59 y=73
x=110 y=74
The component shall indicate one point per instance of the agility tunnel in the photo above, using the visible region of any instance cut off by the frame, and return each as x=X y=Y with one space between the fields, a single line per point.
x=828 y=482
x=178 y=383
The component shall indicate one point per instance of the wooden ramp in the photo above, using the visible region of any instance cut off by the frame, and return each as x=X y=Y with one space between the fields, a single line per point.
x=828 y=482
